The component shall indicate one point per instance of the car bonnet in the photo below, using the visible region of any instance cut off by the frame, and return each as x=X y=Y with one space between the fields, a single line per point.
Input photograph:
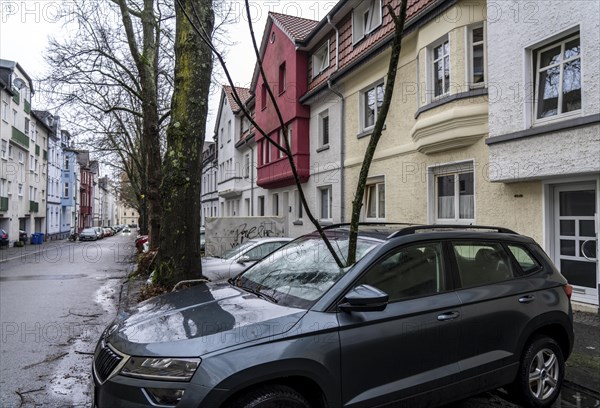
x=200 y=320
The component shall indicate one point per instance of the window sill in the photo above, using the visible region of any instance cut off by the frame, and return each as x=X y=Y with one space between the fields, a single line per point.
x=323 y=148
x=442 y=100
x=556 y=118
x=368 y=132
x=298 y=222
x=326 y=222
x=281 y=93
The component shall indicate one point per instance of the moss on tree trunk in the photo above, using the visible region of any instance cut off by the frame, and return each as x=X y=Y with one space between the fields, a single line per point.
x=179 y=250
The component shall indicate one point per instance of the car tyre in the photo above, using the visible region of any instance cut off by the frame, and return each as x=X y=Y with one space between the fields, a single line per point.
x=541 y=373
x=272 y=396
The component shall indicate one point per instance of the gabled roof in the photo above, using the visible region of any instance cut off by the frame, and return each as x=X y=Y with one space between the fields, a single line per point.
x=8 y=67
x=297 y=28
x=243 y=93
x=227 y=92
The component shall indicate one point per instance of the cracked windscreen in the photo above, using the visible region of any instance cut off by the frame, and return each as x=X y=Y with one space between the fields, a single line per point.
x=298 y=274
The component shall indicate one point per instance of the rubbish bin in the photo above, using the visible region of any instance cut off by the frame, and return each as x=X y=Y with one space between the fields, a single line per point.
x=42 y=238
x=36 y=238
x=33 y=238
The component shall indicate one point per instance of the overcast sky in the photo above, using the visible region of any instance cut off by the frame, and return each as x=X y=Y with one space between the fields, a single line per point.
x=25 y=26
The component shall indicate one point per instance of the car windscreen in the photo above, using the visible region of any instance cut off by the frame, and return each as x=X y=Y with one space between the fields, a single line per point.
x=298 y=274
x=233 y=252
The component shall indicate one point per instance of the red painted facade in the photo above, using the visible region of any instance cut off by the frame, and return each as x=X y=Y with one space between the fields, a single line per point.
x=85 y=198
x=274 y=171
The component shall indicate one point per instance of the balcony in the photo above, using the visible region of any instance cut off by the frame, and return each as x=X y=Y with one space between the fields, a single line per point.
x=27 y=106
x=3 y=204
x=16 y=96
x=279 y=173
x=20 y=137
x=34 y=207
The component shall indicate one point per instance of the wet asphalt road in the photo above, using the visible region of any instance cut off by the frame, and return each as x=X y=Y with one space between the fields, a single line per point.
x=55 y=303
x=53 y=306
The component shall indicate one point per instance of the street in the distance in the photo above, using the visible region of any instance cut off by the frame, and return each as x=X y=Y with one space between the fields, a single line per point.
x=55 y=299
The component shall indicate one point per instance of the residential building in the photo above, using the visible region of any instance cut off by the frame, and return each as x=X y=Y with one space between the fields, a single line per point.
x=71 y=174
x=127 y=215
x=544 y=128
x=108 y=207
x=227 y=130
x=54 y=188
x=286 y=68
x=209 y=197
x=23 y=155
x=88 y=173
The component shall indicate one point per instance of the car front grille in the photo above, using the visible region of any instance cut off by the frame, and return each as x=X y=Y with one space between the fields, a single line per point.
x=106 y=361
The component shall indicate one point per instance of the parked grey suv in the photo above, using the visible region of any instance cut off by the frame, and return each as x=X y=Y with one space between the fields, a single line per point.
x=427 y=315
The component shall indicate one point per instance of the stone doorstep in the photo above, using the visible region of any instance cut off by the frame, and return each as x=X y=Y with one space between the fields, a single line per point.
x=585 y=307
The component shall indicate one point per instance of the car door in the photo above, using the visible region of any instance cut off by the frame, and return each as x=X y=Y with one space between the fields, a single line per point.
x=497 y=306
x=411 y=346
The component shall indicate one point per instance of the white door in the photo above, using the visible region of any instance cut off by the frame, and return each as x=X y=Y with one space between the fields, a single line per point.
x=575 y=223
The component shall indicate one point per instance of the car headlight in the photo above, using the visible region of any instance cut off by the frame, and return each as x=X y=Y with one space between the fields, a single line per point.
x=164 y=369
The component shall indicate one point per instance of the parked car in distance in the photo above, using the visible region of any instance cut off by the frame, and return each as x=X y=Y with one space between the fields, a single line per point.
x=99 y=232
x=234 y=261
x=89 y=234
x=426 y=316
x=108 y=232
x=126 y=230
x=140 y=241
x=4 y=238
x=202 y=239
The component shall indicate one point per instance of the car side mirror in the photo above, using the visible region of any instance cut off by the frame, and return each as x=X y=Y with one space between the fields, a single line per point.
x=243 y=259
x=364 y=298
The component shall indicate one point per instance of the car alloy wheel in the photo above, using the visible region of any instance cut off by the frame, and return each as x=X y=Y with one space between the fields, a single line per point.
x=541 y=373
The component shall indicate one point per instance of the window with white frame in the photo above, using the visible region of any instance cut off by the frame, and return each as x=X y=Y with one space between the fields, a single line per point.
x=5 y=105
x=34 y=131
x=21 y=157
x=27 y=126
x=275 y=203
x=66 y=189
x=37 y=166
x=324 y=129
x=453 y=191
x=266 y=156
x=4 y=149
x=3 y=188
x=31 y=163
x=261 y=206
x=247 y=165
x=365 y=18
x=15 y=118
x=325 y=203
x=440 y=67
x=10 y=152
x=282 y=78
x=371 y=102
x=229 y=131
x=375 y=199
x=299 y=208
x=558 y=78
x=320 y=59
x=477 y=56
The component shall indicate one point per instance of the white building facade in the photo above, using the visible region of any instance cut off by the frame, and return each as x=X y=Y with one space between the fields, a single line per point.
x=544 y=127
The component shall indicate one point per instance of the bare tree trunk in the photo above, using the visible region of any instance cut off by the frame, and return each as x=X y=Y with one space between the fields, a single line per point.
x=146 y=63
x=387 y=100
x=179 y=253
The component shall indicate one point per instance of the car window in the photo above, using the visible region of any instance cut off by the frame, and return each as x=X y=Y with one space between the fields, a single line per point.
x=482 y=263
x=233 y=252
x=259 y=252
x=524 y=258
x=408 y=272
x=301 y=272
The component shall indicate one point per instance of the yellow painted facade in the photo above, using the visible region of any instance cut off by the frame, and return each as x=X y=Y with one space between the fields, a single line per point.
x=453 y=132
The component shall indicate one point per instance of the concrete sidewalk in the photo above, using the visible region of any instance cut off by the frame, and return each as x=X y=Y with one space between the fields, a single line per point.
x=7 y=254
x=583 y=366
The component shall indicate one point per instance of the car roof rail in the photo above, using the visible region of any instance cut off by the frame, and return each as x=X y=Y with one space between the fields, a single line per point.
x=367 y=224
x=436 y=227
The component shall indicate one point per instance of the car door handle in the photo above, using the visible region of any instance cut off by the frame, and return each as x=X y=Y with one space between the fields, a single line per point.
x=448 y=316
x=527 y=299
